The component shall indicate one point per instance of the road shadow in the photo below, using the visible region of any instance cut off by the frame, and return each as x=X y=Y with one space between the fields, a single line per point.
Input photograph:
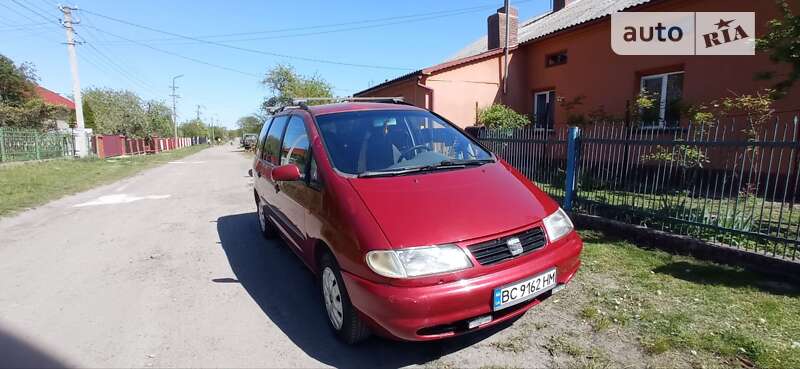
x=286 y=292
x=17 y=353
x=717 y=275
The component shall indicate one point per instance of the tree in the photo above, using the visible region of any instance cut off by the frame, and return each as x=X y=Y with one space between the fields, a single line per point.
x=17 y=82
x=250 y=124
x=782 y=42
x=159 y=119
x=117 y=112
x=286 y=85
x=194 y=128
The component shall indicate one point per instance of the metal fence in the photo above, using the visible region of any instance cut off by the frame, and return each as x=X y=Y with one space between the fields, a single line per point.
x=31 y=144
x=724 y=183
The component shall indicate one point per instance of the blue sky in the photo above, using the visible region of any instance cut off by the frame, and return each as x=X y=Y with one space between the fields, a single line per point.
x=394 y=34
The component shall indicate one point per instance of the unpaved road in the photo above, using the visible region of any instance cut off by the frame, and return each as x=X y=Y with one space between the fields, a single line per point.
x=168 y=269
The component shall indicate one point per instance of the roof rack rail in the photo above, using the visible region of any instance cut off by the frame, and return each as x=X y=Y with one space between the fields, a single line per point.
x=387 y=100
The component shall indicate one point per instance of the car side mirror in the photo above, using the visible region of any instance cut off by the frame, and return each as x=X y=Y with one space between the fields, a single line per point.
x=288 y=172
x=250 y=172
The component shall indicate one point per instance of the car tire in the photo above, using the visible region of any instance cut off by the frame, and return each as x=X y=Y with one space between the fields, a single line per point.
x=267 y=228
x=342 y=316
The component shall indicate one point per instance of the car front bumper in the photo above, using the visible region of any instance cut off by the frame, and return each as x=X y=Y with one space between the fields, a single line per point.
x=443 y=310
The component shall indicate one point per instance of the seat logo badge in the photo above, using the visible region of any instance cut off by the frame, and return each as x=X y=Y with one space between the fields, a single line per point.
x=514 y=246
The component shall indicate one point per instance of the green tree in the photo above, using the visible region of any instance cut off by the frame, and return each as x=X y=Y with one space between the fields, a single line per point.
x=249 y=124
x=194 y=128
x=88 y=116
x=17 y=82
x=286 y=85
x=119 y=112
x=159 y=119
x=782 y=42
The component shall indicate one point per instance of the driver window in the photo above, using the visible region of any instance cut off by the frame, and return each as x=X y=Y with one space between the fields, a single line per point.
x=294 y=149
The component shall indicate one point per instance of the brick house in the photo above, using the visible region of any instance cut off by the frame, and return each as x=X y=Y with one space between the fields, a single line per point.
x=567 y=53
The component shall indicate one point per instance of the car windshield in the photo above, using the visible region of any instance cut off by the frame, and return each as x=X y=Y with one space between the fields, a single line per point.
x=384 y=142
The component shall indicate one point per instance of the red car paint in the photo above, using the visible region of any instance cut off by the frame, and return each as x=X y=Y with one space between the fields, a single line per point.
x=351 y=216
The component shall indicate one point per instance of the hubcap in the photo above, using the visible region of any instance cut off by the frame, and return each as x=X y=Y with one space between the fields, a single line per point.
x=333 y=298
x=262 y=219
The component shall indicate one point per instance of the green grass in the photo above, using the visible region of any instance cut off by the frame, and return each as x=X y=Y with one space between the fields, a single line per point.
x=679 y=305
x=30 y=184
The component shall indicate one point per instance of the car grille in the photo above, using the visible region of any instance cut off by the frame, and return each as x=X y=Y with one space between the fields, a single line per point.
x=495 y=251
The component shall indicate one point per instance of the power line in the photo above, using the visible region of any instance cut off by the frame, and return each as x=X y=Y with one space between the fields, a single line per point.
x=175 y=54
x=340 y=30
x=361 y=24
x=233 y=47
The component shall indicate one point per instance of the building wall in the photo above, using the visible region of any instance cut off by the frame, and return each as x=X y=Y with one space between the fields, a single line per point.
x=608 y=80
x=593 y=70
x=408 y=89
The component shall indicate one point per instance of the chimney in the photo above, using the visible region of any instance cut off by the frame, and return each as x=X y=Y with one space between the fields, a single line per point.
x=497 y=28
x=561 y=4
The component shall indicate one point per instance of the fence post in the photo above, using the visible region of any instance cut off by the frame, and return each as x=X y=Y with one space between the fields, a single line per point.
x=2 y=146
x=573 y=135
x=36 y=145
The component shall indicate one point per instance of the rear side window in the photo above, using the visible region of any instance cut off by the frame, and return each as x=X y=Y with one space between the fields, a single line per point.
x=261 y=138
x=295 y=145
x=272 y=144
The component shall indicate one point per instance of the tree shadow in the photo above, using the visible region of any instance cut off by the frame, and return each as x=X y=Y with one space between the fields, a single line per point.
x=717 y=275
x=286 y=292
x=17 y=353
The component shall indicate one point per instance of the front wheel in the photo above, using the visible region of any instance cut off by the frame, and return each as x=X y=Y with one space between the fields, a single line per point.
x=342 y=316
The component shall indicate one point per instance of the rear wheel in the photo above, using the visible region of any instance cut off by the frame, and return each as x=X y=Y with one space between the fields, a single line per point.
x=342 y=316
x=267 y=228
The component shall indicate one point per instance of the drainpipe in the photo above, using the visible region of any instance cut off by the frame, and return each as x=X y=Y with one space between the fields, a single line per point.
x=505 y=70
x=426 y=88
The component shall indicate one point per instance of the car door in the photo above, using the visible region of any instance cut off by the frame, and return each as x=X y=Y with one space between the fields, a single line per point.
x=293 y=197
x=267 y=160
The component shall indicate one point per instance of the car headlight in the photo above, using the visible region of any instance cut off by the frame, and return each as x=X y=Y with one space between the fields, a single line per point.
x=418 y=261
x=557 y=225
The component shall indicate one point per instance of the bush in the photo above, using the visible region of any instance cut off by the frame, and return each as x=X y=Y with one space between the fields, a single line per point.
x=501 y=116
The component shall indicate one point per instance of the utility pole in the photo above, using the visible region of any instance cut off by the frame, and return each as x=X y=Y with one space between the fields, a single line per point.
x=174 y=105
x=198 y=112
x=81 y=146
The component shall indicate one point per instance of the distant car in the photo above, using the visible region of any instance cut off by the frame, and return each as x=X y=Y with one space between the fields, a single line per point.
x=414 y=229
x=249 y=141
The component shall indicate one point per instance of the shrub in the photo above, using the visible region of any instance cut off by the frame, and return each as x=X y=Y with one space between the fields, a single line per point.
x=501 y=116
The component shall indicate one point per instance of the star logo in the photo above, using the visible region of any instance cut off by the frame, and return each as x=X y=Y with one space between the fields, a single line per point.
x=723 y=23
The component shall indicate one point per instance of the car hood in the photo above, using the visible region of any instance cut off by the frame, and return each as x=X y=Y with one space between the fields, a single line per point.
x=452 y=206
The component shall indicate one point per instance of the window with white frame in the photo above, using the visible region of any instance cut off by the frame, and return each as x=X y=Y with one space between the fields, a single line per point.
x=666 y=89
x=543 y=109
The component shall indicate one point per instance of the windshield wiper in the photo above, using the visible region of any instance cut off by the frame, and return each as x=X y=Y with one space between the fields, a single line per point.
x=445 y=164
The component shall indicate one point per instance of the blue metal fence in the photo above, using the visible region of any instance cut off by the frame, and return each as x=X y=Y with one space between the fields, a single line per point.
x=712 y=182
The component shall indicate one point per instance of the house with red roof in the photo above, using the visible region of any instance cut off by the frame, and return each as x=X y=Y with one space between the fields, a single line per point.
x=566 y=55
x=54 y=98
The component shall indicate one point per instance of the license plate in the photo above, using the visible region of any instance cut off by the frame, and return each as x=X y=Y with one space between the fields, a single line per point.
x=518 y=292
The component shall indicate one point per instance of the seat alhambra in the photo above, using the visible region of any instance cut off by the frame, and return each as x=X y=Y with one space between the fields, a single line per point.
x=414 y=229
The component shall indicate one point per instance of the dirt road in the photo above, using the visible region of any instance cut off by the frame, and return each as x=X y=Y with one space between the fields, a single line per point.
x=168 y=269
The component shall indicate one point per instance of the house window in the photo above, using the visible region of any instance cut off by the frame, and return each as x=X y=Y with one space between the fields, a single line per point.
x=543 y=109
x=666 y=90
x=554 y=59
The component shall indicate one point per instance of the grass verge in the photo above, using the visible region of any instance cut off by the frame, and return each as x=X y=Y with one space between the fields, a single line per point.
x=30 y=184
x=678 y=306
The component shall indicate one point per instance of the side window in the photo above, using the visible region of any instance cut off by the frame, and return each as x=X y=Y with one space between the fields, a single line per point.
x=262 y=137
x=272 y=144
x=295 y=145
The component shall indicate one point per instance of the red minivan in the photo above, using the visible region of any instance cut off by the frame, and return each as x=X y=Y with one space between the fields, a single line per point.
x=414 y=229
